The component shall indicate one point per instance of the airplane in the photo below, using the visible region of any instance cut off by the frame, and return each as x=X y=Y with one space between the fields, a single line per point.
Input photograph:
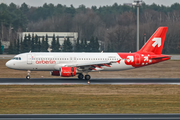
x=72 y=64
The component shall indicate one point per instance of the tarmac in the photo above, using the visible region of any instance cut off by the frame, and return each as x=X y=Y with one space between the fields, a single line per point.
x=75 y=81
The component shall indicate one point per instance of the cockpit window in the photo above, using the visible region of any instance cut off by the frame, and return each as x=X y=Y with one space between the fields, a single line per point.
x=16 y=58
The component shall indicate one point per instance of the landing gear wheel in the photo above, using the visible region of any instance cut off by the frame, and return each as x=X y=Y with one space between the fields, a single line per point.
x=80 y=76
x=28 y=77
x=87 y=77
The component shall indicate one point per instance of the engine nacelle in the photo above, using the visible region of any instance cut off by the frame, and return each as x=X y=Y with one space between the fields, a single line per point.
x=65 y=72
x=68 y=71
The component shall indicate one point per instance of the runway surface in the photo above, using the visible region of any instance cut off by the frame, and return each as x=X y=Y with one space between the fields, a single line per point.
x=93 y=117
x=74 y=81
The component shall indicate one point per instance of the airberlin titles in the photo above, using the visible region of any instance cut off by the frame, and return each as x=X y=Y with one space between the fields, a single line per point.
x=45 y=62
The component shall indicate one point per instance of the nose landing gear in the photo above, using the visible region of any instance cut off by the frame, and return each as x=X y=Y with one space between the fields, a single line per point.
x=28 y=75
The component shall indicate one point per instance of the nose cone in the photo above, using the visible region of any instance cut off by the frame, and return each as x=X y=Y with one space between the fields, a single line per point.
x=8 y=64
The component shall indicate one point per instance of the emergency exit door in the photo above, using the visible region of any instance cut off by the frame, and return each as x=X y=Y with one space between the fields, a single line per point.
x=29 y=59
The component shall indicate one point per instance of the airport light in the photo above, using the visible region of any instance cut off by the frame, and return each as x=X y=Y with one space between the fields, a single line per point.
x=137 y=4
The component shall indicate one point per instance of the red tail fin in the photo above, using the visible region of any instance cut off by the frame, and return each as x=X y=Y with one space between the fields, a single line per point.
x=156 y=42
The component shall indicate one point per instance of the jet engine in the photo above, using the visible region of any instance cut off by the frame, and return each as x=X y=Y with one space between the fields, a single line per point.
x=65 y=72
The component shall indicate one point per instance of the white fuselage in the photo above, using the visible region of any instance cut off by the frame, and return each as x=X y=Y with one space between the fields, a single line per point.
x=54 y=61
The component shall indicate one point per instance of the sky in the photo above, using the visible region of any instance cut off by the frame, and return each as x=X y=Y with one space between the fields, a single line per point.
x=87 y=3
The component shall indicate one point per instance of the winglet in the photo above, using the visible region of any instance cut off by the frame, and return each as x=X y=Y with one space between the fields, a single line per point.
x=156 y=42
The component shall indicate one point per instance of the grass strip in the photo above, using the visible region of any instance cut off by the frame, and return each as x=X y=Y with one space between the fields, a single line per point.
x=82 y=99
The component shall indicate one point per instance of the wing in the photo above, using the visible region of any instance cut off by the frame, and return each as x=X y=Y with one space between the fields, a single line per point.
x=93 y=66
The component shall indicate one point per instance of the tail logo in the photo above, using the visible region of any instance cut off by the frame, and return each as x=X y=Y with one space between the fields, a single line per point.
x=157 y=42
x=131 y=58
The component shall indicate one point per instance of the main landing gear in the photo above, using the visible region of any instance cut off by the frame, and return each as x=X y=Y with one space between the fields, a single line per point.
x=28 y=75
x=87 y=77
x=81 y=76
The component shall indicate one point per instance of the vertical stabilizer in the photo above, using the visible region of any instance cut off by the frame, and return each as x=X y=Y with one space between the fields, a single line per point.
x=156 y=42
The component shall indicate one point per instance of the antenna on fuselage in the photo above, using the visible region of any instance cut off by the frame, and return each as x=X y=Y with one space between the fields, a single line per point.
x=49 y=49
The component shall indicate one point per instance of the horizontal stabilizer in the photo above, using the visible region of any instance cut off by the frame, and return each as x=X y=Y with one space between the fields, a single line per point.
x=159 y=57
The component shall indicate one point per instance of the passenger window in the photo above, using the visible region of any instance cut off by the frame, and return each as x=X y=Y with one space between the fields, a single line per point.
x=19 y=58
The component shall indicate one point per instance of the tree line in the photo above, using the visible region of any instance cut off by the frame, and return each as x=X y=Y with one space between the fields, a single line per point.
x=37 y=44
x=114 y=25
